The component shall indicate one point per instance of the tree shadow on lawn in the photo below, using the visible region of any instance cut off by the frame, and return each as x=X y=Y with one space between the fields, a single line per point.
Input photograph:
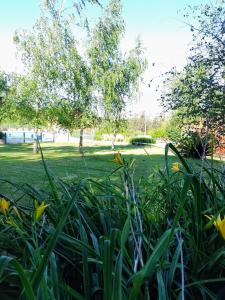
x=73 y=148
x=68 y=164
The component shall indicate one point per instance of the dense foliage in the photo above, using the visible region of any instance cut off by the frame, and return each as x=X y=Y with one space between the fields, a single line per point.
x=116 y=240
x=142 y=140
x=168 y=129
x=4 y=88
x=116 y=74
x=192 y=144
x=63 y=81
x=197 y=92
x=3 y=83
x=71 y=86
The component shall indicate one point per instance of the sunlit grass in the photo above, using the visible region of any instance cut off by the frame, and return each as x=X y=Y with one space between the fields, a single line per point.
x=134 y=238
x=19 y=164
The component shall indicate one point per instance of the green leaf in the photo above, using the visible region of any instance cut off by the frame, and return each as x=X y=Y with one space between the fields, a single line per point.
x=72 y=292
x=117 y=283
x=25 y=279
x=37 y=275
x=173 y=266
x=125 y=234
x=162 y=294
x=148 y=270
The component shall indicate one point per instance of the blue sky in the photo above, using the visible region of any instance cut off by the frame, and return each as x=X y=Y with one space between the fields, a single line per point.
x=158 y=22
x=22 y=13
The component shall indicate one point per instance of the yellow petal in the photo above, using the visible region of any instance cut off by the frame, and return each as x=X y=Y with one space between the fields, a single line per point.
x=222 y=229
x=39 y=210
x=175 y=167
x=4 y=206
x=219 y=224
x=118 y=159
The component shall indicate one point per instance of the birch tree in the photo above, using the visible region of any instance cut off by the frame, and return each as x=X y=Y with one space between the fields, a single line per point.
x=116 y=74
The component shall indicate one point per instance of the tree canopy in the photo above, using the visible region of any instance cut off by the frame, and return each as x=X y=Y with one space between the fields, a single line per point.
x=197 y=92
x=116 y=75
x=60 y=76
x=69 y=87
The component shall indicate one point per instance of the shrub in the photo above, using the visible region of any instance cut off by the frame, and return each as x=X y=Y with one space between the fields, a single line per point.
x=2 y=135
x=169 y=130
x=97 y=135
x=142 y=140
x=158 y=133
x=192 y=144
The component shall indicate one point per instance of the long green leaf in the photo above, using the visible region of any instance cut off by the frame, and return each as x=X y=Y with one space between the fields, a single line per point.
x=86 y=272
x=72 y=292
x=37 y=275
x=117 y=284
x=162 y=294
x=51 y=182
x=54 y=276
x=149 y=268
x=125 y=234
x=25 y=279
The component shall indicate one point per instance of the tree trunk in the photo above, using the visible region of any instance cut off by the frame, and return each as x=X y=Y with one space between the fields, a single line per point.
x=35 y=146
x=81 y=140
x=113 y=141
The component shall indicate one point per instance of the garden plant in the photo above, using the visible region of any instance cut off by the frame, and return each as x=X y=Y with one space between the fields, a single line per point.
x=160 y=237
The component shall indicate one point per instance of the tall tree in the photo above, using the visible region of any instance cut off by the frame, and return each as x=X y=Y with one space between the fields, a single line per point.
x=35 y=87
x=116 y=74
x=197 y=93
x=72 y=85
x=62 y=77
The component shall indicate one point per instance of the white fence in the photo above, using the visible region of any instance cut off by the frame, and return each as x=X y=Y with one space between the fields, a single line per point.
x=15 y=137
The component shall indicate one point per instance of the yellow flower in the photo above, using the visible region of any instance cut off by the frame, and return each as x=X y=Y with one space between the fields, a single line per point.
x=118 y=159
x=175 y=167
x=219 y=224
x=4 y=206
x=39 y=209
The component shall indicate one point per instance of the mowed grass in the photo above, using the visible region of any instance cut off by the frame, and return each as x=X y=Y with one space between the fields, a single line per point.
x=20 y=165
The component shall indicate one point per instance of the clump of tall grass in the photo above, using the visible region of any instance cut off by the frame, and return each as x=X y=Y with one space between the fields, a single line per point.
x=133 y=238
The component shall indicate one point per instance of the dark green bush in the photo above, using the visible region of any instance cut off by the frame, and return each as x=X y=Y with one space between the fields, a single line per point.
x=192 y=145
x=2 y=135
x=142 y=140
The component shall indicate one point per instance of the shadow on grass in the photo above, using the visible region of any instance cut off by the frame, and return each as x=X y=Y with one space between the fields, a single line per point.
x=20 y=165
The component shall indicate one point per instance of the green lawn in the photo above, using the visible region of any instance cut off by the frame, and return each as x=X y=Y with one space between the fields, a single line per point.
x=20 y=165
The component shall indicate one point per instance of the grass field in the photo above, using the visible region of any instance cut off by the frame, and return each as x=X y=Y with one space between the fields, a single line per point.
x=20 y=165
x=129 y=238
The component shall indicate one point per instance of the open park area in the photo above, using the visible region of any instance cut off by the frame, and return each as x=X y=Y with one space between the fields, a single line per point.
x=112 y=150
x=20 y=165
x=98 y=188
